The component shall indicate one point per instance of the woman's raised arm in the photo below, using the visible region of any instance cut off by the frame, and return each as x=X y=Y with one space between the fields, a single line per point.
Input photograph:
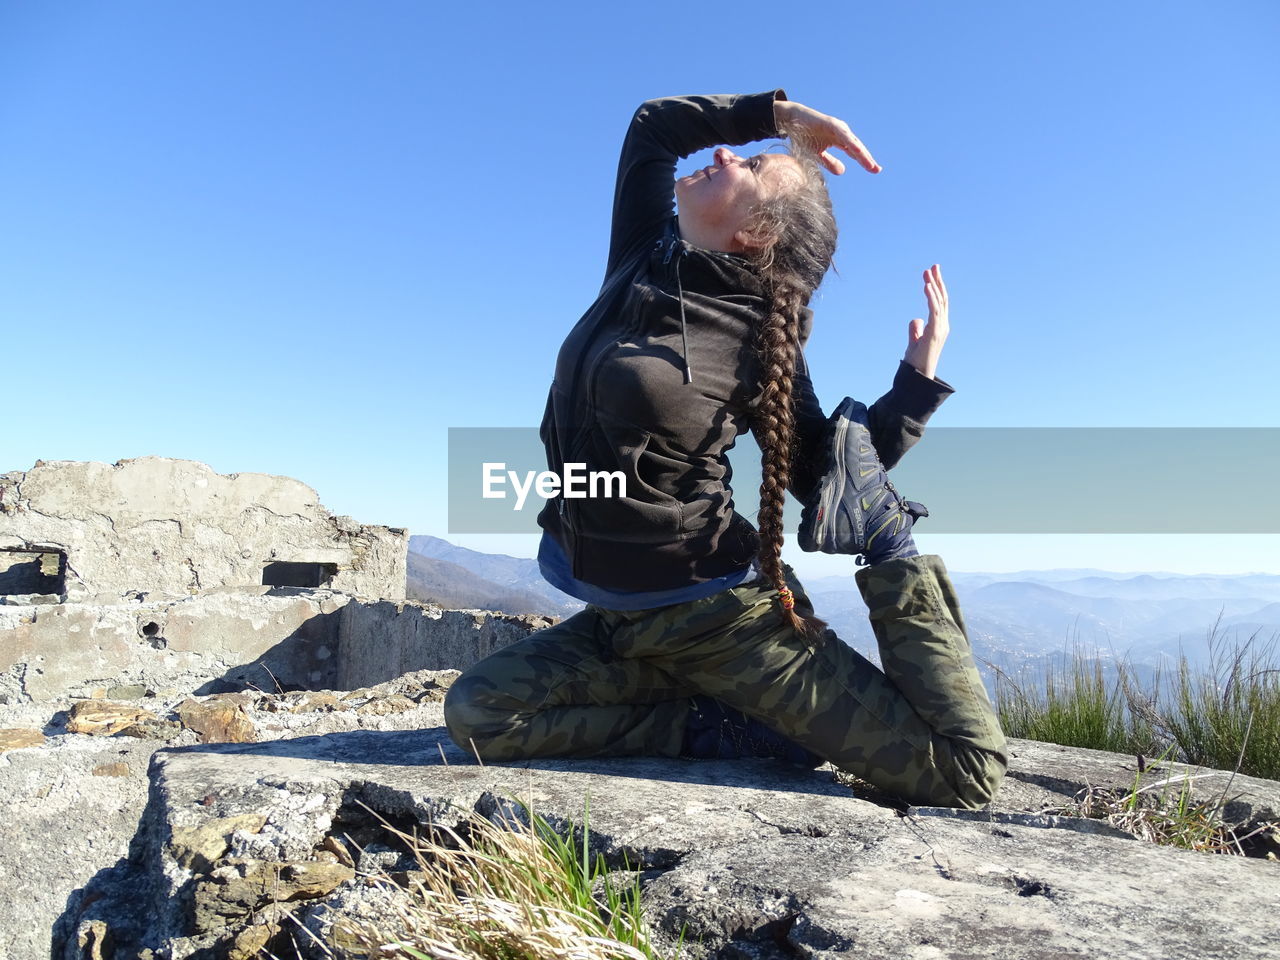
x=661 y=132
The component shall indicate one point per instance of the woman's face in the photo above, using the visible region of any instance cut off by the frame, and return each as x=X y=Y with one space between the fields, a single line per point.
x=716 y=202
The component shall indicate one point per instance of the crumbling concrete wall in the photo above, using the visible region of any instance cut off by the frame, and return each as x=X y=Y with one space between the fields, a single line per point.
x=264 y=638
x=156 y=526
x=380 y=641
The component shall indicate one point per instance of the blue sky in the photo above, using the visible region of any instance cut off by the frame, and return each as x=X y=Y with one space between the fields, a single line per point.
x=306 y=238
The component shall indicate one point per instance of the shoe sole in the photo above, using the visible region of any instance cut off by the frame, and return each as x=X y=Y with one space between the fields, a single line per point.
x=818 y=529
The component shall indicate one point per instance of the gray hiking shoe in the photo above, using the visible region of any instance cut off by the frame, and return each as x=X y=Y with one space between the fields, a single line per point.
x=856 y=509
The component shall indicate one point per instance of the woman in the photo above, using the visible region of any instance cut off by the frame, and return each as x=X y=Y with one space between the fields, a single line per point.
x=697 y=640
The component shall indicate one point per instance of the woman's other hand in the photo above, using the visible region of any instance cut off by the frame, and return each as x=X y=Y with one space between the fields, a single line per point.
x=821 y=132
x=925 y=339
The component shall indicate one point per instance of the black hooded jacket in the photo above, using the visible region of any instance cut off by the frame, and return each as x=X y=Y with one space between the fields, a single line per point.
x=659 y=377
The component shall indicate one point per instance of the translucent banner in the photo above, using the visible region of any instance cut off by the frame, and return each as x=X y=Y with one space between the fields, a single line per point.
x=973 y=480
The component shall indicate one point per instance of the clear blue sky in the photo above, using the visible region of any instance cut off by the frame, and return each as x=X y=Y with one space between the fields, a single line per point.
x=306 y=238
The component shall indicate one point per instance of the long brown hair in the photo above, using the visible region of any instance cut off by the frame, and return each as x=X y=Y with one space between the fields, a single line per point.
x=799 y=229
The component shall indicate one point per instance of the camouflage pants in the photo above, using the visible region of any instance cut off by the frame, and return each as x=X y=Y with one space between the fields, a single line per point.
x=612 y=683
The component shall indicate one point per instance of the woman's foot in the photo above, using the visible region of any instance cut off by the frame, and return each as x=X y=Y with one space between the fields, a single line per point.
x=715 y=731
x=857 y=509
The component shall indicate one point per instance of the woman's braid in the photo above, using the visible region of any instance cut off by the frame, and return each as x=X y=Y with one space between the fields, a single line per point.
x=802 y=231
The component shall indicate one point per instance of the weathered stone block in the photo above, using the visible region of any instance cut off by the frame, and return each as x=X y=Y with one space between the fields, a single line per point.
x=102 y=718
x=217 y=721
x=747 y=859
x=16 y=738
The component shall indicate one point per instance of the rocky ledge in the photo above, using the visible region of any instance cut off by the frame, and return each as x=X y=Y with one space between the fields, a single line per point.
x=240 y=846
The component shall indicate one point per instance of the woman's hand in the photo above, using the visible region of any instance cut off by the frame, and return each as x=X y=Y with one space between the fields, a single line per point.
x=821 y=132
x=925 y=340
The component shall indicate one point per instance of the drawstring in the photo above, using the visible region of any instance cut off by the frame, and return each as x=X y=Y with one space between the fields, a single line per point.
x=684 y=332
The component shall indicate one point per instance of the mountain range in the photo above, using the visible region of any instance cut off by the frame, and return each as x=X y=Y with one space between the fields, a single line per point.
x=457 y=577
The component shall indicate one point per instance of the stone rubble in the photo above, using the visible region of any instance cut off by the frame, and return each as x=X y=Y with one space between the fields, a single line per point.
x=18 y=738
x=96 y=782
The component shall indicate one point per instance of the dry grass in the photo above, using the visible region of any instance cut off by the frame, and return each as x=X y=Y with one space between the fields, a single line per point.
x=1166 y=811
x=501 y=891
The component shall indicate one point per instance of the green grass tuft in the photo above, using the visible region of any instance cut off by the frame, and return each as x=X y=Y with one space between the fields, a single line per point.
x=1227 y=717
x=517 y=889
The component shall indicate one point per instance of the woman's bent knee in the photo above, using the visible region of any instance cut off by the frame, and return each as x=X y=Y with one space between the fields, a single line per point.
x=471 y=714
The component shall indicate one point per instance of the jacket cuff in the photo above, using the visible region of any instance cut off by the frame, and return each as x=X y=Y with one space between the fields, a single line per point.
x=756 y=112
x=916 y=395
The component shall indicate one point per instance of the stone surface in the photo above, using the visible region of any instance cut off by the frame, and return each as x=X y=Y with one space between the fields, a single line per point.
x=17 y=738
x=750 y=859
x=238 y=888
x=174 y=527
x=64 y=823
x=116 y=769
x=217 y=721
x=385 y=706
x=1055 y=775
x=196 y=848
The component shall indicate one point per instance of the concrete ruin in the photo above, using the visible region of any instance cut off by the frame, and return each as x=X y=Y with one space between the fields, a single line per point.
x=80 y=532
x=163 y=575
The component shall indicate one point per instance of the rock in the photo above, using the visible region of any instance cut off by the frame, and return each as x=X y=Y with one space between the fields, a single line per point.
x=386 y=706
x=103 y=718
x=749 y=859
x=128 y=691
x=247 y=944
x=382 y=641
x=197 y=848
x=152 y=730
x=117 y=769
x=14 y=738
x=161 y=526
x=1054 y=775
x=421 y=686
x=94 y=940
x=64 y=826
x=250 y=638
x=317 y=701
x=217 y=721
x=237 y=888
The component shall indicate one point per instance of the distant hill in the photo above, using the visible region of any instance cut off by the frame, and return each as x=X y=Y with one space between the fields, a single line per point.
x=456 y=587
x=1033 y=616
x=486 y=581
